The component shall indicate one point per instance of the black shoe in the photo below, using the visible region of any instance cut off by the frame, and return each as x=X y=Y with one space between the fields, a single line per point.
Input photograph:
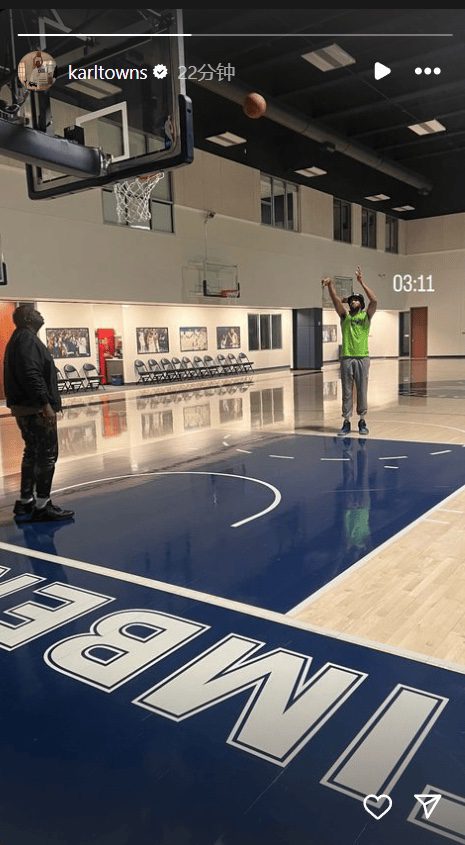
x=362 y=427
x=50 y=513
x=345 y=429
x=23 y=510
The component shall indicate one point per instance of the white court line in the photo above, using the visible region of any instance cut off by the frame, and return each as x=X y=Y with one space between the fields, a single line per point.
x=275 y=491
x=283 y=457
x=393 y=458
x=227 y=436
x=386 y=466
x=334 y=459
x=244 y=451
x=225 y=443
x=229 y=604
x=364 y=560
x=444 y=452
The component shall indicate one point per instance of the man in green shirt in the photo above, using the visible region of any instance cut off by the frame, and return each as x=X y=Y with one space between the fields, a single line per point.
x=355 y=361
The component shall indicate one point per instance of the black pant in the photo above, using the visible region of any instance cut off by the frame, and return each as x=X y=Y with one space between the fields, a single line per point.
x=40 y=455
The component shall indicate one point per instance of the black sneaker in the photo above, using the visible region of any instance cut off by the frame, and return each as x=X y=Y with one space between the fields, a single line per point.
x=23 y=510
x=51 y=513
x=362 y=427
x=345 y=429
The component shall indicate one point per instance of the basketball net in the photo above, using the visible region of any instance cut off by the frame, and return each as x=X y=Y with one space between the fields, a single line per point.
x=133 y=198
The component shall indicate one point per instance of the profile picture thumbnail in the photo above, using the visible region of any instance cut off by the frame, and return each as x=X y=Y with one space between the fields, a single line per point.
x=36 y=71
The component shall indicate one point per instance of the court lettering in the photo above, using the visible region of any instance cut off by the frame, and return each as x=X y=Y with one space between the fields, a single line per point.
x=284 y=708
x=121 y=646
x=33 y=618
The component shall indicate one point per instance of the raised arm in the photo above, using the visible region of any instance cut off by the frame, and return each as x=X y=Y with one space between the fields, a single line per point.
x=328 y=283
x=373 y=302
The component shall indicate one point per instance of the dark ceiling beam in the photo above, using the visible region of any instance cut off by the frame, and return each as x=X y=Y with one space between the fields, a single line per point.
x=330 y=141
x=381 y=130
x=402 y=99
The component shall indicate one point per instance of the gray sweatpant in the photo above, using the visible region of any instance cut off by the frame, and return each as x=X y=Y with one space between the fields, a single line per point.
x=354 y=371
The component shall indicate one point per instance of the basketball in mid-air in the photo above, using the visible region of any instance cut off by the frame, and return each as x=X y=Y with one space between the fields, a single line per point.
x=254 y=106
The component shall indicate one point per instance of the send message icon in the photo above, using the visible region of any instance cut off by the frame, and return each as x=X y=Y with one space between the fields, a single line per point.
x=429 y=803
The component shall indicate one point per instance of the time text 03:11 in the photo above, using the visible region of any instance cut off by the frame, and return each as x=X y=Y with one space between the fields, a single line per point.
x=408 y=284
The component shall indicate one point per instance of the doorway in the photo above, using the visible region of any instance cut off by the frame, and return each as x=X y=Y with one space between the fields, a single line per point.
x=404 y=334
x=419 y=332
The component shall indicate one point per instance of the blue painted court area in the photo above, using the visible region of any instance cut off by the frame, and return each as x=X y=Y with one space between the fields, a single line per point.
x=134 y=715
x=340 y=499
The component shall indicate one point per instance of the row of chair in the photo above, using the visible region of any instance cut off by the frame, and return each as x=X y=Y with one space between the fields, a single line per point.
x=70 y=380
x=173 y=370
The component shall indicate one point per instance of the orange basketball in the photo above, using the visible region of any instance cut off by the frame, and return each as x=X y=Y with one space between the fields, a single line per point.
x=254 y=106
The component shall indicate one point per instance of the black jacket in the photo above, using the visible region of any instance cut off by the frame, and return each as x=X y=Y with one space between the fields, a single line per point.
x=29 y=372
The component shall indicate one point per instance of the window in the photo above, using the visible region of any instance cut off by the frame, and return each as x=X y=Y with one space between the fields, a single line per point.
x=342 y=221
x=392 y=234
x=278 y=203
x=265 y=331
x=266 y=406
x=369 y=228
x=161 y=207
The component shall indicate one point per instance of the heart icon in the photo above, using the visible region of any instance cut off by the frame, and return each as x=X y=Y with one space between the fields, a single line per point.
x=381 y=804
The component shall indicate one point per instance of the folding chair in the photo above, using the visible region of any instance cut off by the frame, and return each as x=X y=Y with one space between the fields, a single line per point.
x=92 y=375
x=190 y=369
x=248 y=365
x=63 y=385
x=226 y=365
x=213 y=366
x=235 y=364
x=156 y=371
x=75 y=381
x=141 y=370
x=201 y=368
x=183 y=373
x=168 y=369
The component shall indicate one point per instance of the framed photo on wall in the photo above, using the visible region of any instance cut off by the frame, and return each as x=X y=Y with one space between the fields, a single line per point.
x=193 y=339
x=329 y=334
x=150 y=340
x=228 y=337
x=68 y=343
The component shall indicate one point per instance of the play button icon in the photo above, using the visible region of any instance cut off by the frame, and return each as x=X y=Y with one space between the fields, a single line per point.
x=381 y=70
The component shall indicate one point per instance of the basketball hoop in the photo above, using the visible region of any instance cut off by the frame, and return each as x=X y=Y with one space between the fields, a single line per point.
x=233 y=293
x=133 y=198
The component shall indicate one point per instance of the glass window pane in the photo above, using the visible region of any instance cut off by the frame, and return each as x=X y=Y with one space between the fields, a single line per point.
x=162 y=216
x=162 y=191
x=292 y=195
x=276 y=333
x=279 y=194
x=253 y=331
x=346 y=221
x=265 y=187
x=266 y=212
x=265 y=331
x=109 y=206
x=337 y=220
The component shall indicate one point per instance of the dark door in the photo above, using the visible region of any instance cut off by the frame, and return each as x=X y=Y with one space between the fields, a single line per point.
x=404 y=334
x=308 y=339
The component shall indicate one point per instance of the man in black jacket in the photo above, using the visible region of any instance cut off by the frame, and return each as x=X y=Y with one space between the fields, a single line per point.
x=32 y=394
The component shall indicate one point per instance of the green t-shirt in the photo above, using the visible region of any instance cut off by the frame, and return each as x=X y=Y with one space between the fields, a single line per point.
x=355 y=331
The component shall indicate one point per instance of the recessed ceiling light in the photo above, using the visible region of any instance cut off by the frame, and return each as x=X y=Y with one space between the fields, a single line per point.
x=97 y=88
x=227 y=139
x=429 y=127
x=404 y=208
x=378 y=198
x=310 y=172
x=329 y=58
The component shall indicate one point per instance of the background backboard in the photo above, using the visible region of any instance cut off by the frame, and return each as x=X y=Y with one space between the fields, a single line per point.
x=142 y=122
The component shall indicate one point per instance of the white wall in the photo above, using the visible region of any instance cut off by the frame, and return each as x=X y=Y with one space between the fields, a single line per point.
x=383 y=338
x=72 y=254
x=125 y=319
x=437 y=247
